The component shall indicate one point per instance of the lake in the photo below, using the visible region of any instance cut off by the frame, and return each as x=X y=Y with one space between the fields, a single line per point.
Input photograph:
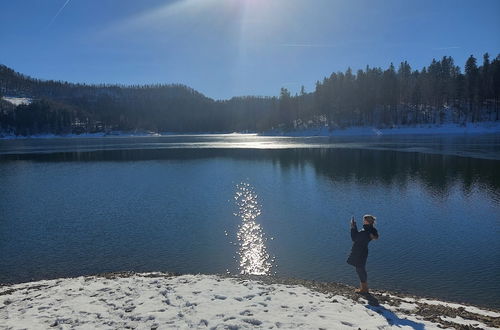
x=263 y=205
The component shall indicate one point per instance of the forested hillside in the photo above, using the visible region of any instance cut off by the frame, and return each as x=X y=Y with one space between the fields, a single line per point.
x=438 y=93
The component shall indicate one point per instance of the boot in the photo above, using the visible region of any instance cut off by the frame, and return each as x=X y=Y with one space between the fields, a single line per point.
x=363 y=288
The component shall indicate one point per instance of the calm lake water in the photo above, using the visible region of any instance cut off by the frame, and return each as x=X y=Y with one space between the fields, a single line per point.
x=264 y=205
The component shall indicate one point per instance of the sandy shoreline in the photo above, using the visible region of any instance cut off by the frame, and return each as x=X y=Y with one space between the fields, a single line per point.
x=166 y=301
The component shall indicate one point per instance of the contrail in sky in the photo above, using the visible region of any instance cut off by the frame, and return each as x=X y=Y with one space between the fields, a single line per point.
x=60 y=10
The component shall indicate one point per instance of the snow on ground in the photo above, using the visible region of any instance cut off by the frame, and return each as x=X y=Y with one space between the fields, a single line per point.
x=17 y=100
x=470 y=309
x=459 y=320
x=164 y=301
x=469 y=128
x=427 y=301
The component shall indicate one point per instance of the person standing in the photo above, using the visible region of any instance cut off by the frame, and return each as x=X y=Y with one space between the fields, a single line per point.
x=359 y=250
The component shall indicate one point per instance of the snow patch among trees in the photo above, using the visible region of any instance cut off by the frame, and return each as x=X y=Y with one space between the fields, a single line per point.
x=17 y=100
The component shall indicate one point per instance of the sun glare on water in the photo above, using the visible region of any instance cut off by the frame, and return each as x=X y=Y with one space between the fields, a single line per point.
x=254 y=258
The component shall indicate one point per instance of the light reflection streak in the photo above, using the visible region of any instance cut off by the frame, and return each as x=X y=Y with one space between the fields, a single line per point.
x=254 y=258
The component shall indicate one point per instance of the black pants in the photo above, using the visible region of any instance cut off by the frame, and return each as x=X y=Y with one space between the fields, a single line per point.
x=363 y=276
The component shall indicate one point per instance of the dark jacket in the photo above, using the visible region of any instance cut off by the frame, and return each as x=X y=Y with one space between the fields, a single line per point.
x=359 y=251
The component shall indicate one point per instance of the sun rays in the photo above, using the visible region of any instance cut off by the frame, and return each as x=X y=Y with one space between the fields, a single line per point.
x=252 y=21
x=241 y=36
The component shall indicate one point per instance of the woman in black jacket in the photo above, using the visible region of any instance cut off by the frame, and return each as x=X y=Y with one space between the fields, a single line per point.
x=359 y=251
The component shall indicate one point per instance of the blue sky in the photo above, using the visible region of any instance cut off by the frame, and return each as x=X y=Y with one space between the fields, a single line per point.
x=226 y=48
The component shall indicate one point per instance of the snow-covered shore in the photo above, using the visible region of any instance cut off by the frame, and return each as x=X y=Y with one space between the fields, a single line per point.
x=165 y=301
x=490 y=127
x=112 y=135
x=83 y=135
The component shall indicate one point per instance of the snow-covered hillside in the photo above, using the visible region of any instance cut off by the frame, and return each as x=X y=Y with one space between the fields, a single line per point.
x=164 y=301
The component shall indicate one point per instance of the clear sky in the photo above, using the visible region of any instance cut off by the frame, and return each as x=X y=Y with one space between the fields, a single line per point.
x=226 y=48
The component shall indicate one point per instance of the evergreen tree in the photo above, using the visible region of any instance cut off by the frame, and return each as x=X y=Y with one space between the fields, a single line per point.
x=285 y=107
x=471 y=81
x=495 y=80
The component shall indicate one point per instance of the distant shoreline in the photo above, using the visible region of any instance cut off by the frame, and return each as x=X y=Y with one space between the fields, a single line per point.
x=423 y=129
x=117 y=135
x=492 y=127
